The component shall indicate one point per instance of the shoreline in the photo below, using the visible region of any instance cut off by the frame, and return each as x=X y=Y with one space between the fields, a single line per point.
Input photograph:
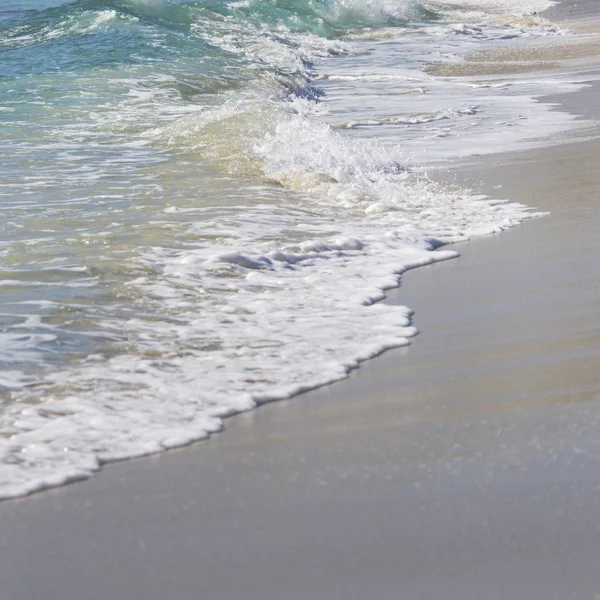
x=462 y=467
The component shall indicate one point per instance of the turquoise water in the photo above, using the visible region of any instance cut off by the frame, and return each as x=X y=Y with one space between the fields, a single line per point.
x=84 y=87
x=187 y=230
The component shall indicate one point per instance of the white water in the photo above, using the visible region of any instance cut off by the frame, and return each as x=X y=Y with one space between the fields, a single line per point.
x=263 y=242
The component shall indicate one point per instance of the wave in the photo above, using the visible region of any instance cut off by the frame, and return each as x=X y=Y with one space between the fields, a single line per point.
x=223 y=245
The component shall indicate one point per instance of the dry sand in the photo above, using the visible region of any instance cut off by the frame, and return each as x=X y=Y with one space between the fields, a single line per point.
x=464 y=467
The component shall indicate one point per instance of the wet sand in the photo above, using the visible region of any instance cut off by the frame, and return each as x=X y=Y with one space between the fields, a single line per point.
x=464 y=467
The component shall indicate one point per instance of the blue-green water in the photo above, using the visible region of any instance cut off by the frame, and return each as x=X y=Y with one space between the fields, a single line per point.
x=201 y=202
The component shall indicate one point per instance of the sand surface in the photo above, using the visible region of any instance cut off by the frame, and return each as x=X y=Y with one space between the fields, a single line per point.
x=464 y=467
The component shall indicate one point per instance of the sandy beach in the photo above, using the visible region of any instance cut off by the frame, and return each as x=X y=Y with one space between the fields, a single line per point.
x=466 y=466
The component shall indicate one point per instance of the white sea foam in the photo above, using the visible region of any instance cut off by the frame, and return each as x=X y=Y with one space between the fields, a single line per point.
x=515 y=7
x=376 y=11
x=261 y=244
x=247 y=319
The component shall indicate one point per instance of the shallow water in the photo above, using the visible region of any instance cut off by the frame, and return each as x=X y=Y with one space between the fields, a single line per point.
x=203 y=201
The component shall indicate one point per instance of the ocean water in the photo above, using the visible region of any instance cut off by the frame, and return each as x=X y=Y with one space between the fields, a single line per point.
x=202 y=203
